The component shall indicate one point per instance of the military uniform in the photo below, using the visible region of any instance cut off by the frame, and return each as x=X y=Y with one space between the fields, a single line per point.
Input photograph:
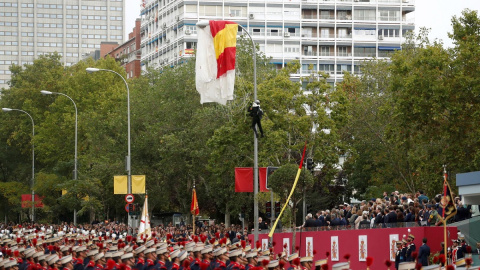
x=175 y=266
x=79 y=265
x=398 y=255
x=139 y=264
x=90 y=266
x=410 y=249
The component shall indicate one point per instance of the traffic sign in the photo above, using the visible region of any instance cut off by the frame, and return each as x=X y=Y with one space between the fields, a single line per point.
x=130 y=206
x=129 y=198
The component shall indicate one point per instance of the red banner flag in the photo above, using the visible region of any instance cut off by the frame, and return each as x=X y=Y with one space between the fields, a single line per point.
x=244 y=179
x=194 y=206
x=27 y=201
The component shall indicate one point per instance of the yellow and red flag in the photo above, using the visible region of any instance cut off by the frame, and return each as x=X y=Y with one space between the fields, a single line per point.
x=215 y=64
x=194 y=206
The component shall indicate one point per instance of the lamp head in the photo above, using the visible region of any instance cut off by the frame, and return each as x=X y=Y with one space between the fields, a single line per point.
x=45 y=92
x=7 y=109
x=91 y=70
x=203 y=23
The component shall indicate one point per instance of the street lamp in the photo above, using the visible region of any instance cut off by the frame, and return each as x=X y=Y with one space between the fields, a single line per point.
x=203 y=24
x=75 y=171
x=128 y=161
x=33 y=158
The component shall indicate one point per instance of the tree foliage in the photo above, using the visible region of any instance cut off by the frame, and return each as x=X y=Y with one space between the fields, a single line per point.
x=395 y=124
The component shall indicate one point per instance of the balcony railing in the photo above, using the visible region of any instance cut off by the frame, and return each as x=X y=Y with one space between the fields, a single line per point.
x=326 y=54
x=365 y=18
x=343 y=54
x=359 y=54
x=308 y=53
x=309 y=16
x=344 y=36
x=325 y=36
x=327 y=17
x=344 y=18
x=389 y=18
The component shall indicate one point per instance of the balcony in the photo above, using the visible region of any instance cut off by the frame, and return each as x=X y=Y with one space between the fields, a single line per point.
x=389 y=18
x=309 y=53
x=344 y=54
x=344 y=18
x=327 y=54
x=344 y=36
x=326 y=36
x=309 y=16
x=365 y=18
x=327 y=17
x=364 y=54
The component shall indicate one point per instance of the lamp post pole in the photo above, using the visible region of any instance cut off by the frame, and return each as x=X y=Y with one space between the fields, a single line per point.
x=75 y=170
x=33 y=158
x=128 y=158
x=255 y=142
x=204 y=24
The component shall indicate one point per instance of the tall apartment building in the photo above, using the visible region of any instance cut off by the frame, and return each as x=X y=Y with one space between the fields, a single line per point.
x=73 y=28
x=324 y=35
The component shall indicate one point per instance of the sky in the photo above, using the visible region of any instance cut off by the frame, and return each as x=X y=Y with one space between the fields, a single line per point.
x=433 y=14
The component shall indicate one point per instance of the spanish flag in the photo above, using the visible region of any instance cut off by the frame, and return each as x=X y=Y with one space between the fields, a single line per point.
x=194 y=206
x=215 y=64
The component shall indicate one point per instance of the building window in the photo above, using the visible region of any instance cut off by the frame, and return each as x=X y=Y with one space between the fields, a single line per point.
x=342 y=51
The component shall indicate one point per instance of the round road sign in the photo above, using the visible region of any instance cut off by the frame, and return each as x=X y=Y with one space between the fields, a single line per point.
x=126 y=207
x=129 y=198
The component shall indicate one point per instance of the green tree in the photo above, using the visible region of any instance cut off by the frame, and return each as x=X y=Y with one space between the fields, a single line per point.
x=282 y=182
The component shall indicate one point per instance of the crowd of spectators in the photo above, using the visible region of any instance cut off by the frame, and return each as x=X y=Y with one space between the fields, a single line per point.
x=391 y=210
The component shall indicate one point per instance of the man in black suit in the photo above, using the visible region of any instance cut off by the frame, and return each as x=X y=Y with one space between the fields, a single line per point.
x=378 y=216
x=391 y=217
x=310 y=222
x=423 y=253
x=262 y=225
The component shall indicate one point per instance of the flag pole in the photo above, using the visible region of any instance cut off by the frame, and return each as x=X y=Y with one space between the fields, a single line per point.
x=194 y=211
x=255 y=142
x=443 y=213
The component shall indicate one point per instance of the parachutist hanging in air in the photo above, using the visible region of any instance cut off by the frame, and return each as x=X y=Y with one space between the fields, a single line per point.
x=256 y=113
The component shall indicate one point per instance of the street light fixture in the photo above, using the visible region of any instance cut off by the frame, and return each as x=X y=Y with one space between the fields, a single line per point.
x=203 y=24
x=75 y=171
x=128 y=158
x=33 y=158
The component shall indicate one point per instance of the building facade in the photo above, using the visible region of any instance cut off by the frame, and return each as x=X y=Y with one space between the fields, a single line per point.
x=73 y=28
x=128 y=53
x=324 y=35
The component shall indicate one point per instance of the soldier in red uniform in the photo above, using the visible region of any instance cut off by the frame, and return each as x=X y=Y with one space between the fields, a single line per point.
x=100 y=261
x=162 y=255
x=175 y=260
x=252 y=260
x=66 y=263
x=128 y=261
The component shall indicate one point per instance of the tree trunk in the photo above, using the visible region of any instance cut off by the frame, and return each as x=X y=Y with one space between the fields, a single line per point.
x=227 y=218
